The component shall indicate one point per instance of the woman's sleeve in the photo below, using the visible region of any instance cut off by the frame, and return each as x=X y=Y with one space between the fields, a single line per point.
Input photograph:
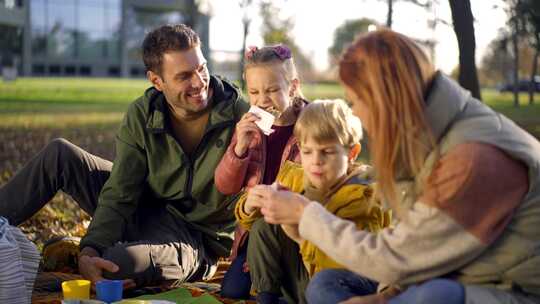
x=468 y=200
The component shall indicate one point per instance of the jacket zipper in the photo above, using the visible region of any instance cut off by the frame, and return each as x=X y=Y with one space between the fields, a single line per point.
x=189 y=183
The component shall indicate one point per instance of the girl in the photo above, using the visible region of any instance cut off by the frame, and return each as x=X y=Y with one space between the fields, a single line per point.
x=464 y=182
x=252 y=157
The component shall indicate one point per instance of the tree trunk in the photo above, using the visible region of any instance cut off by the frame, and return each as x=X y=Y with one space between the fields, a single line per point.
x=464 y=28
x=532 y=83
x=191 y=14
x=245 y=23
x=390 y=13
x=515 y=68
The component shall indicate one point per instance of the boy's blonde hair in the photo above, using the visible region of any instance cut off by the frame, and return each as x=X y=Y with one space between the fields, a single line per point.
x=275 y=54
x=328 y=121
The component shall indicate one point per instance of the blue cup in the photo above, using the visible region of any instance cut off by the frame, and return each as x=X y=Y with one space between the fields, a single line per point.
x=109 y=290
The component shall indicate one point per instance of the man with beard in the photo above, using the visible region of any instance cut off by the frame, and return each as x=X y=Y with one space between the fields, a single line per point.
x=156 y=213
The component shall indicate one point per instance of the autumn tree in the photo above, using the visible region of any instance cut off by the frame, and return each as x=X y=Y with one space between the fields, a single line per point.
x=278 y=30
x=531 y=14
x=345 y=34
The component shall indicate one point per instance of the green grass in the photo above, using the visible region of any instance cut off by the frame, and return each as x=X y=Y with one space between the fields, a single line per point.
x=68 y=94
x=322 y=91
x=82 y=102
x=63 y=102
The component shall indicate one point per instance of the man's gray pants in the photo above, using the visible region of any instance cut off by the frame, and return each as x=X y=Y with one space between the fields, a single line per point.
x=162 y=249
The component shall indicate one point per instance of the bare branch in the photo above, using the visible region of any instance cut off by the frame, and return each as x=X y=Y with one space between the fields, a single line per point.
x=425 y=4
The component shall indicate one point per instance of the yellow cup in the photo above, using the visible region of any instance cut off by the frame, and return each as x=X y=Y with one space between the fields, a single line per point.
x=76 y=289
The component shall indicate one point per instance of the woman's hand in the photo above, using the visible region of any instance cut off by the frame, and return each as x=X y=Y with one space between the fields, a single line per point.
x=246 y=129
x=280 y=206
x=292 y=232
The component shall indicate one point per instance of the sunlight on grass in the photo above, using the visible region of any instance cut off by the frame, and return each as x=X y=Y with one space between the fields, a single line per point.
x=59 y=120
x=71 y=91
x=322 y=91
x=79 y=102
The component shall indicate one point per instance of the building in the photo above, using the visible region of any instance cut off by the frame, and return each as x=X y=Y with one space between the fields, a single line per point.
x=100 y=38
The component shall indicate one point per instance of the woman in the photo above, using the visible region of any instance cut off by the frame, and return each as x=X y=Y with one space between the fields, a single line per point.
x=463 y=181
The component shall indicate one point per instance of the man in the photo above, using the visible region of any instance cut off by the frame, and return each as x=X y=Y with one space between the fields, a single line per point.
x=159 y=216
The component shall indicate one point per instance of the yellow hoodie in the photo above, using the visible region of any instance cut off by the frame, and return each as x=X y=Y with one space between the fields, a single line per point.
x=351 y=199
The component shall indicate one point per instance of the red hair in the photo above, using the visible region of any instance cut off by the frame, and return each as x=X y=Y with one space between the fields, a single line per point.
x=390 y=74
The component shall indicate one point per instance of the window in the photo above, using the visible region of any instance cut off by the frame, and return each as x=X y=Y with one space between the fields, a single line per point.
x=38 y=69
x=70 y=70
x=54 y=70
x=85 y=71
x=114 y=71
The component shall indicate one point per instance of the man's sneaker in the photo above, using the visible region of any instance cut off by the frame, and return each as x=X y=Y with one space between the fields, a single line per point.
x=60 y=254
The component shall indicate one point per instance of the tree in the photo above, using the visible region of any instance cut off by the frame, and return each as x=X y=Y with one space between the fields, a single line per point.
x=191 y=13
x=246 y=21
x=497 y=65
x=277 y=30
x=531 y=12
x=516 y=31
x=345 y=34
x=462 y=18
x=516 y=11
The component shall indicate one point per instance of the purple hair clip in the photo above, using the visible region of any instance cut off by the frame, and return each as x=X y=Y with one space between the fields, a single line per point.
x=250 y=51
x=283 y=52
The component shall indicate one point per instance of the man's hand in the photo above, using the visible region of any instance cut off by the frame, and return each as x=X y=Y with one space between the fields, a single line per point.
x=246 y=129
x=91 y=267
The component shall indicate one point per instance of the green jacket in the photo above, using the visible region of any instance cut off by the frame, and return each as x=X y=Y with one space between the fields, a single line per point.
x=152 y=171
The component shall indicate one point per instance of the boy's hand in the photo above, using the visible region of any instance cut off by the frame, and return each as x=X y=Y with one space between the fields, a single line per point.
x=246 y=129
x=253 y=202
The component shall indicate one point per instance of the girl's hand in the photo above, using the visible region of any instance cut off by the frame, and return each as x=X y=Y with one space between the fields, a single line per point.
x=280 y=206
x=246 y=129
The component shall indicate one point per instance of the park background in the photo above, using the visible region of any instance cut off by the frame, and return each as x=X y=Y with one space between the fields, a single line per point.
x=71 y=67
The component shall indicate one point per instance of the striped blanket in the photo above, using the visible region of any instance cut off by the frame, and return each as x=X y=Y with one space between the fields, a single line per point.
x=19 y=262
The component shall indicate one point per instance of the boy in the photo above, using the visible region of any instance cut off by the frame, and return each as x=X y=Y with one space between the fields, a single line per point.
x=279 y=260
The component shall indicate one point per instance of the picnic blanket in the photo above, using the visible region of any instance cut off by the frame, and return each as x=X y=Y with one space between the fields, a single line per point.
x=47 y=289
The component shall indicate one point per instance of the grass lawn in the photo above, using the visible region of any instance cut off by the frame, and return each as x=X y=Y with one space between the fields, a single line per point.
x=59 y=103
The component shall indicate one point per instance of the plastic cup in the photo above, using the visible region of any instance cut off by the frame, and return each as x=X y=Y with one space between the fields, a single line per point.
x=76 y=289
x=109 y=290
